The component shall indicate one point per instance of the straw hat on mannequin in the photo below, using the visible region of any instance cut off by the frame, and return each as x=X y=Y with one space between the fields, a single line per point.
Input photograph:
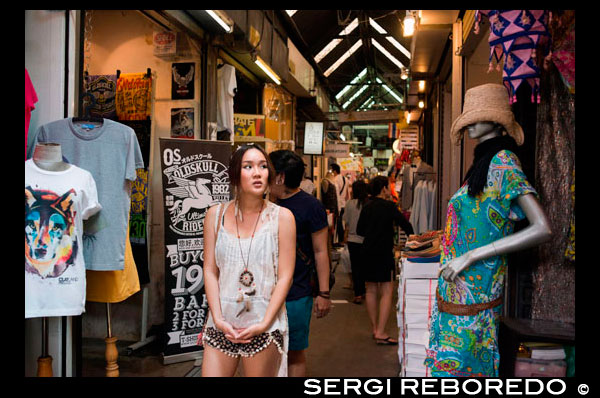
x=486 y=103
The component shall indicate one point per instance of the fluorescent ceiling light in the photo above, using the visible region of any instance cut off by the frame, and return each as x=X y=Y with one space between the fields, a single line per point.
x=219 y=20
x=387 y=54
x=349 y=86
x=351 y=26
x=342 y=136
x=399 y=46
x=343 y=58
x=421 y=85
x=371 y=127
x=327 y=49
x=359 y=92
x=291 y=12
x=389 y=90
x=262 y=65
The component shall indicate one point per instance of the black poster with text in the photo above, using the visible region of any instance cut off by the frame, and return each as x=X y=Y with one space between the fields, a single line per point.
x=195 y=176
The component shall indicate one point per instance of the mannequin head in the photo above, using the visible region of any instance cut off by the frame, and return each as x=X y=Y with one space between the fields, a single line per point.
x=484 y=130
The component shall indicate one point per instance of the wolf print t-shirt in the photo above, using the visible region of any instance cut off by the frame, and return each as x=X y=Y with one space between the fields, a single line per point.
x=56 y=203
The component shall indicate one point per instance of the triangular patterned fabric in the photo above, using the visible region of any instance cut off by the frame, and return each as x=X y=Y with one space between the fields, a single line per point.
x=514 y=35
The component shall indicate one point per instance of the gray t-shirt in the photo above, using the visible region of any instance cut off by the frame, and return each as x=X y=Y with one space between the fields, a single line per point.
x=111 y=153
x=350 y=217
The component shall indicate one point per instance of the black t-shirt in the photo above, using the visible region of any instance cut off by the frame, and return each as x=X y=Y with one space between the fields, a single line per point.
x=376 y=225
x=310 y=217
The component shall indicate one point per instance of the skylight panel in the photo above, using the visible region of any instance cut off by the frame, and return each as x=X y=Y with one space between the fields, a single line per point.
x=387 y=54
x=399 y=46
x=349 y=86
x=327 y=49
x=351 y=26
x=343 y=58
x=390 y=91
x=377 y=26
x=359 y=92
x=291 y=12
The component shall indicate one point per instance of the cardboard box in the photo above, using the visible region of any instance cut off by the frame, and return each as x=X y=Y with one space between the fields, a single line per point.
x=527 y=367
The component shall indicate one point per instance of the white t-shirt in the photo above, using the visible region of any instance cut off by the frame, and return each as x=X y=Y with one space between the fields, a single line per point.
x=56 y=203
x=226 y=85
x=341 y=184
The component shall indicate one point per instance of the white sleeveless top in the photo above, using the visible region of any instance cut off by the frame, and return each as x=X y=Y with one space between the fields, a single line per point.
x=263 y=263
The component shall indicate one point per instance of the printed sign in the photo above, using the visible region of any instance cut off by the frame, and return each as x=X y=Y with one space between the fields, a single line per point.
x=182 y=123
x=337 y=150
x=249 y=125
x=165 y=43
x=195 y=176
x=313 y=138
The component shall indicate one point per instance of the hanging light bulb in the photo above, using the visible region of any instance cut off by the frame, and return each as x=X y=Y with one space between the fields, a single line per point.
x=421 y=104
x=404 y=73
x=409 y=24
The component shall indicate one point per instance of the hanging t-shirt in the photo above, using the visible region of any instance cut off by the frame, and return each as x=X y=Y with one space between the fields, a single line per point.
x=30 y=100
x=227 y=84
x=56 y=203
x=111 y=153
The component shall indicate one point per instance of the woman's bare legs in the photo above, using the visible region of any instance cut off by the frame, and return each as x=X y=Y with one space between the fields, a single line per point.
x=385 y=305
x=217 y=364
x=371 y=304
x=264 y=364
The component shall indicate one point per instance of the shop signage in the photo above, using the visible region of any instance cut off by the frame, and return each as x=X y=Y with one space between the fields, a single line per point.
x=313 y=138
x=134 y=91
x=165 y=43
x=368 y=161
x=337 y=150
x=350 y=164
x=195 y=177
x=249 y=125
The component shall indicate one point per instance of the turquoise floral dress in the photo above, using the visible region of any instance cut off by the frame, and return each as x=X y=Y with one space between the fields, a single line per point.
x=468 y=345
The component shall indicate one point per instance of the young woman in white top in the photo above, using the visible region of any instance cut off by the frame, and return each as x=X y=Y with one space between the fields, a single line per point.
x=249 y=257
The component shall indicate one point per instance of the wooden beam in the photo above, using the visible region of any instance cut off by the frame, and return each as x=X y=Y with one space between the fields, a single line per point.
x=369 y=116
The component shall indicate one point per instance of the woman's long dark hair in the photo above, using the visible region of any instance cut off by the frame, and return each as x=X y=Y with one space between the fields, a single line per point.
x=360 y=192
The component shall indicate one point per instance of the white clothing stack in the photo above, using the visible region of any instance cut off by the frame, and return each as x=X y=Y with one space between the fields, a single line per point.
x=416 y=295
x=423 y=214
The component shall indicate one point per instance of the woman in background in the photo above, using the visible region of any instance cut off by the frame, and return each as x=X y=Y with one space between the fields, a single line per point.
x=354 y=241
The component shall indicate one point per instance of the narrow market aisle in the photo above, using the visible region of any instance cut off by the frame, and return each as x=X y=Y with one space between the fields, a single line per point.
x=341 y=344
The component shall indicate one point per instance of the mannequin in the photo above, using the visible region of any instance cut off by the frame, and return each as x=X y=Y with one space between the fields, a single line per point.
x=463 y=339
x=535 y=234
x=48 y=156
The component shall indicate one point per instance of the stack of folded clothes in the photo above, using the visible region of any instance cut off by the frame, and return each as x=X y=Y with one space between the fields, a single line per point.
x=424 y=248
x=416 y=295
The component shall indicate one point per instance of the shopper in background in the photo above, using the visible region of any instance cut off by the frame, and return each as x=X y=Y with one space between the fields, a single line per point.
x=329 y=200
x=342 y=190
x=308 y=186
x=354 y=241
x=249 y=255
x=376 y=224
x=312 y=251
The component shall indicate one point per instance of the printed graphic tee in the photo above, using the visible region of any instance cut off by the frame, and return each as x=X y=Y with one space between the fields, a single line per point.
x=111 y=153
x=56 y=203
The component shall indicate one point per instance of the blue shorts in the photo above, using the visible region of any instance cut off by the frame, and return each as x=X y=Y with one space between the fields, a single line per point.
x=299 y=313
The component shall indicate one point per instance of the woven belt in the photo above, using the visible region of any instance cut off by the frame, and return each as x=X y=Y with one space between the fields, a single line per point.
x=464 y=309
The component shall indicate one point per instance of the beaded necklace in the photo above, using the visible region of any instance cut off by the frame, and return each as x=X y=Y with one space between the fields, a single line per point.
x=246 y=277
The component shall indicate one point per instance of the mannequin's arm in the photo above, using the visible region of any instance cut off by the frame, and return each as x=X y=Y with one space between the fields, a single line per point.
x=535 y=234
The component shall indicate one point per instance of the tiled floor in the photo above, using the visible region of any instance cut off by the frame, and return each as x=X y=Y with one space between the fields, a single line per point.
x=341 y=345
